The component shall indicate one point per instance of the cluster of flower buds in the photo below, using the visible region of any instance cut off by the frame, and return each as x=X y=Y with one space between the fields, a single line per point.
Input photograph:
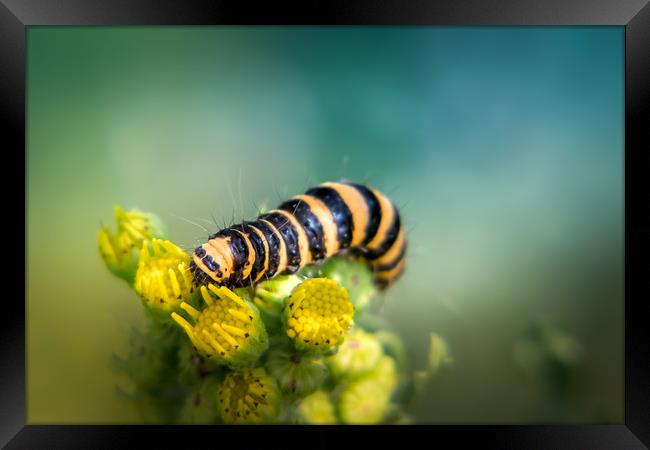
x=121 y=250
x=287 y=350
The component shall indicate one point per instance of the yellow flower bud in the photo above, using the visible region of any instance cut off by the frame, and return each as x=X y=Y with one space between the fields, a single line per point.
x=367 y=401
x=318 y=314
x=228 y=330
x=358 y=355
x=317 y=409
x=249 y=396
x=121 y=250
x=163 y=279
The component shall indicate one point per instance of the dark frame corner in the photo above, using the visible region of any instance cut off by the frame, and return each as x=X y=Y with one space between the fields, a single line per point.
x=16 y=15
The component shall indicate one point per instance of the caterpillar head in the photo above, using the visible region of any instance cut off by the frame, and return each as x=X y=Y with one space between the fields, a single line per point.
x=209 y=266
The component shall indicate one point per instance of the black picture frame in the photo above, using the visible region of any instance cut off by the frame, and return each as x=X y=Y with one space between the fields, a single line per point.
x=634 y=15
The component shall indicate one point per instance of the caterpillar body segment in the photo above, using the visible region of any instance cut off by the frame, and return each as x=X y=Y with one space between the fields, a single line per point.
x=327 y=219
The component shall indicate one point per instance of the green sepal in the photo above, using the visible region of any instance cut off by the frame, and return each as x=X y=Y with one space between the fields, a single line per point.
x=201 y=404
x=269 y=298
x=296 y=373
x=357 y=356
x=355 y=276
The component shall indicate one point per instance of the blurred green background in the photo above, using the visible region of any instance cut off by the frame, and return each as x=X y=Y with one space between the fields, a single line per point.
x=502 y=146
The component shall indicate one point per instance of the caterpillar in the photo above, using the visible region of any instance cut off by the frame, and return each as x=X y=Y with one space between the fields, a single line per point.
x=327 y=219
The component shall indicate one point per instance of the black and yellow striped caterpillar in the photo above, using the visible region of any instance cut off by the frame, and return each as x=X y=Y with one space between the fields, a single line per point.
x=327 y=219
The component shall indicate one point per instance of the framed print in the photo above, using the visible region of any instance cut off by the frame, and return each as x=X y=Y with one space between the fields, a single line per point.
x=384 y=218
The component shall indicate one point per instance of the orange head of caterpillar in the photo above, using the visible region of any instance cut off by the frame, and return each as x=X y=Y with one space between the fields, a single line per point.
x=209 y=266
